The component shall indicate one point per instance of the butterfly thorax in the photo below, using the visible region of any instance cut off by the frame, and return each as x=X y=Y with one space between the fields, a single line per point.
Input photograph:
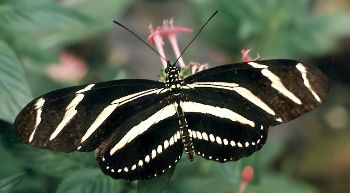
x=173 y=82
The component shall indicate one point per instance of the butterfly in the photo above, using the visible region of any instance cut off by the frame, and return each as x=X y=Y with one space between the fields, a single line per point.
x=140 y=128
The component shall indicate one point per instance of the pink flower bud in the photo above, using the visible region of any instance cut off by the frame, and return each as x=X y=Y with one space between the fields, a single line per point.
x=247 y=173
x=71 y=68
x=246 y=176
x=168 y=29
x=246 y=57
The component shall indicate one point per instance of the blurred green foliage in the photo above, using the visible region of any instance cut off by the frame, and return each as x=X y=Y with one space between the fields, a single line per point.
x=33 y=32
x=274 y=28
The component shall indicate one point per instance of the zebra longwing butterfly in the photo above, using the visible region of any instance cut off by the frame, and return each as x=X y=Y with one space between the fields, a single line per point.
x=140 y=128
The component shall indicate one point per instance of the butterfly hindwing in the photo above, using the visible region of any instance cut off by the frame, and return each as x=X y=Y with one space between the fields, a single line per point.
x=223 y=128
x=144 y=147
x=80 y=118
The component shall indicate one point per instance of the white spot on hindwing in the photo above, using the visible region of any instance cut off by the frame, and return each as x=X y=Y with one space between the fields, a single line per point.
x=166 y=144
x=199 y=135
x=211 y=137
x=154 y=153
x=159 y=149
x=205 y=136
x=233 y=144
x=147 y=159
x=133 y=167
x=171 y=141
x=194 y=134
x=218 y=140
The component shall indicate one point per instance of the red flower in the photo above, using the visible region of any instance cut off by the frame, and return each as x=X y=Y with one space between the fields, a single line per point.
x=246 y=177
x=246 y=57
x=168 y=29
x=71 y=68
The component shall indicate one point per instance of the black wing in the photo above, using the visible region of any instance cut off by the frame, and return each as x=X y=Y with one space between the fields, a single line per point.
x=82 y=117
x=144 y=147
x=229 y=108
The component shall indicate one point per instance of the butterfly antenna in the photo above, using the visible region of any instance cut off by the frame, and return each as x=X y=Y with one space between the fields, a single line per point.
x=139 y=38
x=199 y=31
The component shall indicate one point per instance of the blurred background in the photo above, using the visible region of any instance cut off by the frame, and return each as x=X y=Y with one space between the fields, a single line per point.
x=50 y=44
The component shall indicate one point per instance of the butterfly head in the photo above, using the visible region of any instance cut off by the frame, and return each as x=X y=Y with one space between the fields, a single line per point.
x=172 y=69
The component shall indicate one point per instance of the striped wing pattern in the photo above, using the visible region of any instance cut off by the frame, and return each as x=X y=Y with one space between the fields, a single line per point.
x=283 y=89
x=224 y=131
x=134 y=125
x=256 y=95
x=80 y=118
x=147 y=149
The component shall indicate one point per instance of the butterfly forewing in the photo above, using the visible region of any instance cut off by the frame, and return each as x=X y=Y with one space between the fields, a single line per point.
x=144 y=147
x=80 y=118
x=283 y=89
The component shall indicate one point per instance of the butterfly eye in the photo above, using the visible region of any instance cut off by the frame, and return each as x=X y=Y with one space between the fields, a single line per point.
x=166 y=70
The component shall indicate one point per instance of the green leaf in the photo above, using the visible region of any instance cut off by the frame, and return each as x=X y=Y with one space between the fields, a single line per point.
x=41 y=19
x=15 y=92
x=55 y=163
x=7 y=184
x=273 y=183
x=268 y=154
x=155 y=185
x=288 y=29
x=221 y=177
x=26 y=3
x=88 y=181
x=100 y=21
x=40 y=25
x=111 y=9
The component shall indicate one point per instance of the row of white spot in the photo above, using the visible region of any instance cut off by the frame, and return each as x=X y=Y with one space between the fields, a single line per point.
x=155 y=152
x=218 y=140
